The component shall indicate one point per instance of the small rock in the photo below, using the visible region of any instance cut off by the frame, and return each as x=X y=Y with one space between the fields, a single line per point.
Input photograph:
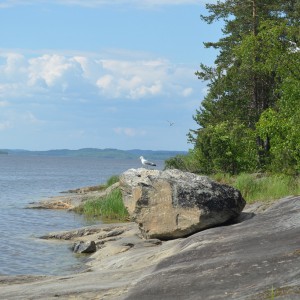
x=85 y=247
x=115 y=232
x=152 y=242
x=130 y=245
x=112 y=233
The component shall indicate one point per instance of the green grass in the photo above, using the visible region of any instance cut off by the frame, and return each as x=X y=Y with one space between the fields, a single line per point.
x=110 y=207
x=112 y=180
x=282 y=292
x=224 y=178
x=260 y=187
x=106 y=208
x=272 y=293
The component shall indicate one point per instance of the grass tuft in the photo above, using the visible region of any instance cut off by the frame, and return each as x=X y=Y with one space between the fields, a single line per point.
x=112 y=180
x=266 y=188
x=259 y=187
x=110 y=207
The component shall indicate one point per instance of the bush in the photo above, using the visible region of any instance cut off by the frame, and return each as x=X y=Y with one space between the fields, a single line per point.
x=223 y=148
x=228 y=147
x=187 y=163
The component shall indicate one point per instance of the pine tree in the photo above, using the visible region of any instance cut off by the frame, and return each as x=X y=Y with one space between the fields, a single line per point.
x=250 y=69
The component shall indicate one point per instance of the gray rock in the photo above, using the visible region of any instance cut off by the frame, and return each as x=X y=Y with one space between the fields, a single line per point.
x=71 y=234
x=245 y=261
x=111 y=233
x=172 y=204
x=152 y=242
x=84 y=247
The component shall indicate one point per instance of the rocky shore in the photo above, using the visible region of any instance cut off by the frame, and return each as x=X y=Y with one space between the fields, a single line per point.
x=72 y=198
x=258 y=257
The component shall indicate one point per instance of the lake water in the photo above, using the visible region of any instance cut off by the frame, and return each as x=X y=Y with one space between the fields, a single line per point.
x=25 y=179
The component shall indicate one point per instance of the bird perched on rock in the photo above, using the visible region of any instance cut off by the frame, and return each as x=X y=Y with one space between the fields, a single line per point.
x=145 y=162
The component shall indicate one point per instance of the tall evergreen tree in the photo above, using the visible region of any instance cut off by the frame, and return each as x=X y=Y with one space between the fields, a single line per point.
x=246 y=78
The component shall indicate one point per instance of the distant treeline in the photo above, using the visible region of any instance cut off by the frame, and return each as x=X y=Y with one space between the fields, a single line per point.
x=101 y=153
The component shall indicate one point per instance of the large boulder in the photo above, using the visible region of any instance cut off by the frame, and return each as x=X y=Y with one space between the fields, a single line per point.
x=171 y=204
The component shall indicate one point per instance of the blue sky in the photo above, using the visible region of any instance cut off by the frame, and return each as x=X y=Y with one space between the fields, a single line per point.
x=101 y=73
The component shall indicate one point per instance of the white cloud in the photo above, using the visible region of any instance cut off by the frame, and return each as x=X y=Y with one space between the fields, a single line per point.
x=84 y=77
x=131 y=132
x=143 y=91
x=90 y=70
x=130 y=2
x=49 y=69
x=5 y=125
x=141 y=79
x=99 y=3
x=14 y=68
x=187 y=92
x=105 y=82
x=15 y=62
x=4 y=103
x=29 y=117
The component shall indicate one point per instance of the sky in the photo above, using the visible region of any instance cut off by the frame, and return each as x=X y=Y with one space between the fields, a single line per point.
x=101 y=73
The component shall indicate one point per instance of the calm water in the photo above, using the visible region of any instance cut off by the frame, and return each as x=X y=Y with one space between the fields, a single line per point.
x=27 y=179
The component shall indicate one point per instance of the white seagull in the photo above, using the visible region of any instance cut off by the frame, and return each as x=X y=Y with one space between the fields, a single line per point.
x=145 y=162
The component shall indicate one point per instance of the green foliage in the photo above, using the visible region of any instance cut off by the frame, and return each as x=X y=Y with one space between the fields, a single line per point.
x=226 y=147
x=282 y=126
x=188 y=163
x=110 y=207
x=250 y=117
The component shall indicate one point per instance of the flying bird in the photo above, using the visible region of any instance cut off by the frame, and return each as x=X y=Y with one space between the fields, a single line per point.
x=145 y=162
x=170 y=123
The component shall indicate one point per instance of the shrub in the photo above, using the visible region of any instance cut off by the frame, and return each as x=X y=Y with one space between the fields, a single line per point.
x=187 y=163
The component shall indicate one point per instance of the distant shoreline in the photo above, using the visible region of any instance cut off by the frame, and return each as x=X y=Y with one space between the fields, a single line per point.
x=108 y=153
